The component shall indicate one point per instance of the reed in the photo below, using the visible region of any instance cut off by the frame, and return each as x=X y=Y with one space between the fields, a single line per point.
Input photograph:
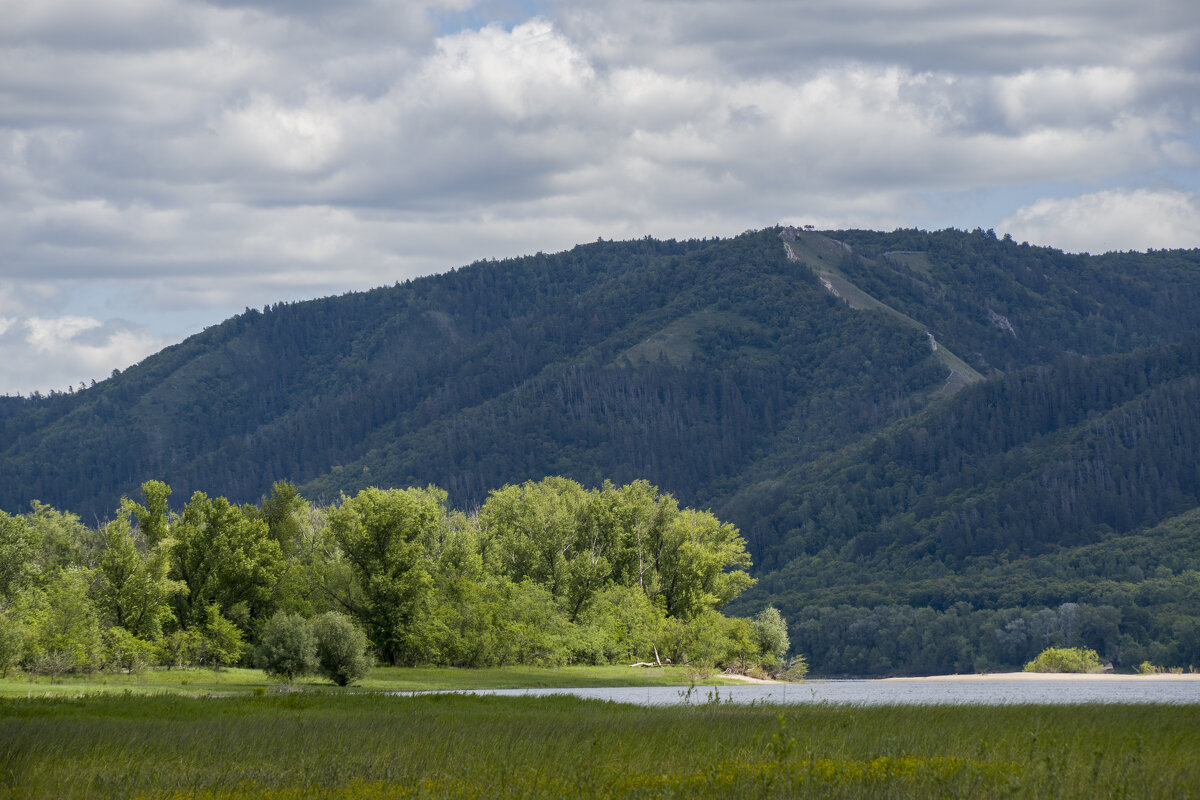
x=306 y=745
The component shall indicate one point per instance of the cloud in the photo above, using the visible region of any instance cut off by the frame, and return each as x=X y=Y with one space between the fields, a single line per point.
x=1111 y=220
x=192 y=158
x=45 y=354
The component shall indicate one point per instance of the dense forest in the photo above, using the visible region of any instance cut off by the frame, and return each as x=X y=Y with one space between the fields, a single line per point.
x=944 y=450
x=543 y=573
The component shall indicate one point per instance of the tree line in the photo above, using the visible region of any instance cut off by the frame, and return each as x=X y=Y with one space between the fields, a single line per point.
x=544 y=572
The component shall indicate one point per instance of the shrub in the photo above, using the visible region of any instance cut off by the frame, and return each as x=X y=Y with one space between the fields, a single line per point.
x=1065 y=659
x=180 y=649
x=342 y=655
x=795 y=669
x=124 y=651
x=221 y=641
x=1146 y=668
x=12 y=641
x=287 y=648
x=772 y=634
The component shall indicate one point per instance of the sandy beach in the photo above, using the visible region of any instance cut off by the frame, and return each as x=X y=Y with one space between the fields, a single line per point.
x=1054 y=676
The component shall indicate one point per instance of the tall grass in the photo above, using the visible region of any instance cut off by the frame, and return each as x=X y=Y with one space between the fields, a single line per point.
x=373 y=746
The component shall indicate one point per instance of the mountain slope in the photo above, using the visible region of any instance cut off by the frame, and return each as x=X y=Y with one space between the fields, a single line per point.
x=892 y=420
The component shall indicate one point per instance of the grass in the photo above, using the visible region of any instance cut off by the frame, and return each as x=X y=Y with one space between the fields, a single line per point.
x=374 y=746
x=197 y=682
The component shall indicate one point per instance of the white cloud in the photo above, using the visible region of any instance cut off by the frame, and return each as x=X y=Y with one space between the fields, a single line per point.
x=188 y=155
x=1110 y=220
x=45 y=354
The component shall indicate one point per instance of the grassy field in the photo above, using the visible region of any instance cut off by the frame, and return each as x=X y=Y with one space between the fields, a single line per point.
x=245 y=681
x=314 y=745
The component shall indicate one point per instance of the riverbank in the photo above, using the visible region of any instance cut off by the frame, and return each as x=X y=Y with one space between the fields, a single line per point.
x=239 y=681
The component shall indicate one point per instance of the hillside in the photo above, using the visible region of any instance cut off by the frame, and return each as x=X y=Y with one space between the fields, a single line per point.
x=925 y=437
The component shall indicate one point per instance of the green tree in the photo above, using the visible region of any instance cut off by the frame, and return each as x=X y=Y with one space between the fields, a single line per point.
x=153 y=514
x=125 y=651
x=135 y=589
x=342 y=654
x=226 y=557
x=531 y=531
x=771 y=630
x=701 y=563
x=385 y=536
x=17 y=549
x=12 y=638
x=286 y=647
x=221 y=643
x=283 y=511
x=64 y=626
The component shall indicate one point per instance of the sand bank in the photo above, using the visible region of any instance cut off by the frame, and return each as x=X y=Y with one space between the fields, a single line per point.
x=1054 y=676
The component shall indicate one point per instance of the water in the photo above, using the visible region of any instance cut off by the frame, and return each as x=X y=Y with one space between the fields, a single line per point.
x=874 y=692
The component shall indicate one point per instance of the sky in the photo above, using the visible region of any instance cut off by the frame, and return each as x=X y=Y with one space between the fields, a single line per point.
x=165 y=164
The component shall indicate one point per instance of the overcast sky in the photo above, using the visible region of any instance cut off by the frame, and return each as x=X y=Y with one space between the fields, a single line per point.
x=166 y=163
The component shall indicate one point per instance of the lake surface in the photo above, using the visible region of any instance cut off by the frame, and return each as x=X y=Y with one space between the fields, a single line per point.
x=874 y=692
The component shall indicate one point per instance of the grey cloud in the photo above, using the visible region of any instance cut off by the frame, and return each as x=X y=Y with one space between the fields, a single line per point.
x=964 y=38
x=281 y=150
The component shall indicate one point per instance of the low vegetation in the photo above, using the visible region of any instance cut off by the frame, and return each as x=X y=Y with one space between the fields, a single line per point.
x=1065 y=659
x=365 y=746
x=236 y=681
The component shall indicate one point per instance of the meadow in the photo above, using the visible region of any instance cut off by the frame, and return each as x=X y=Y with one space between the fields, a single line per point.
x=371 y=745
x=198 y=682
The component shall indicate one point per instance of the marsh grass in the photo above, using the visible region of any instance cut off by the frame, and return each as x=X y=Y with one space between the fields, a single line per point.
x=304 y=745
x=233 y=681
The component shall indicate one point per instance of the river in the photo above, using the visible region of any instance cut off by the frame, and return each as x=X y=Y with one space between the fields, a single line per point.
x=884 y=692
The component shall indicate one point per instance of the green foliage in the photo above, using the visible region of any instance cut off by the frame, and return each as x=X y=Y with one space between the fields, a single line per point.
x=1065 y=659
x=12 y=639
x=124 y=651
x=135 y=591
x=17 y=548
x=64 y=629
x=221 y=641
x=286 y=647
x=181 y=648
x=794 y=669
x=771 y=630
x=383 y=535
x=342 y=655
x=225 y=557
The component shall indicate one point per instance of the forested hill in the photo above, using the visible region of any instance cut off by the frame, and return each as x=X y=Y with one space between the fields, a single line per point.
x=902 y=420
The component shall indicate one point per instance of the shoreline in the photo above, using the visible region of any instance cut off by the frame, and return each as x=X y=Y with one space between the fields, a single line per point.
x=1052 y=676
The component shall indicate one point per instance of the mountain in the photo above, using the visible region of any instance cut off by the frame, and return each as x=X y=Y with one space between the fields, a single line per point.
x=920 y=434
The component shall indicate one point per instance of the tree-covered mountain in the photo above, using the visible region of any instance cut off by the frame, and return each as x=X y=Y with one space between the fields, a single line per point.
x=901 y=424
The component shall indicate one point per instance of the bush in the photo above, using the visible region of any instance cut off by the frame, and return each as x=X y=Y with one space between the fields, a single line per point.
x=1065 y=659
x=772 y=634
x=342 y=655
x=287 y=648
x=124 y=651
x=795 y=669
x=221 y=641
x=12 y=641
x=180 y=649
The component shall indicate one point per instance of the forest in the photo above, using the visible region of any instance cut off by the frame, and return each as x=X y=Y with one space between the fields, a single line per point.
x=943 y=450
x=544 y=573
